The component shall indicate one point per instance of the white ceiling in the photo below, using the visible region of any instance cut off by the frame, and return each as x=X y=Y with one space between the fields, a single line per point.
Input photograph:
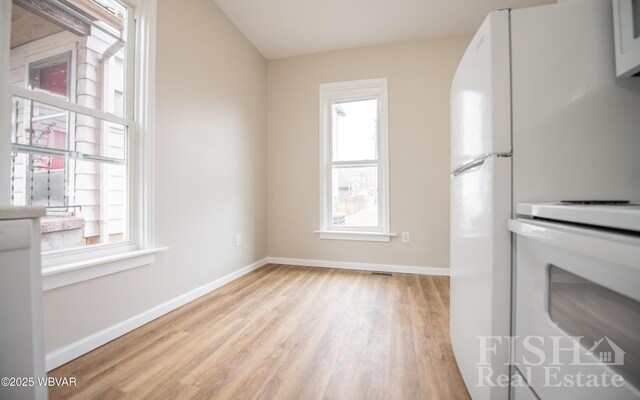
x=284 y=28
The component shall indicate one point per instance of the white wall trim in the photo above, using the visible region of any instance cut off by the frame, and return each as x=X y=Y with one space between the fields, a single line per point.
x=145 y=118
x=5 y=103
x=74 y=350
x=400 y=269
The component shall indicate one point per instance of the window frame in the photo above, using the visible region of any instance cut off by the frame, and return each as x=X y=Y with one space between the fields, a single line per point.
x=67 y=266
x=128 y=121
x=338 y=92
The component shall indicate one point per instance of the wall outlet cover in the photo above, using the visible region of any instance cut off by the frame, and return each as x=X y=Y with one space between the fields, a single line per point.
x=405 y=237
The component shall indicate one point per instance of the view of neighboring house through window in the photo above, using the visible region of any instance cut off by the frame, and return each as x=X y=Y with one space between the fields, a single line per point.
x=72 y=118
x=354 y=156
x=48 y=127
x=354 y=166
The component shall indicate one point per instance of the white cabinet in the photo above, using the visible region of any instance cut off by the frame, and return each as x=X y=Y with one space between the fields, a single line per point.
x=21 y=333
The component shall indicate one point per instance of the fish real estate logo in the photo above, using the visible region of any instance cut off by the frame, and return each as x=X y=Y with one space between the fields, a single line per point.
x=549 y=354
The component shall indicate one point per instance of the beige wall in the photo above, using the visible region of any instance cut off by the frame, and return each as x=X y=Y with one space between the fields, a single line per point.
x=210 y=176
x=419 y=77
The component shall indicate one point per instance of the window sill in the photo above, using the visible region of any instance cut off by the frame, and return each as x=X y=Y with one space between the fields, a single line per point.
x=359 y=236
x=68 y=274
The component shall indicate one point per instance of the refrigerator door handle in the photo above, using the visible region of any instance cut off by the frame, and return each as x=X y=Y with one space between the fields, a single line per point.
x=469 y=165
x=476 y=162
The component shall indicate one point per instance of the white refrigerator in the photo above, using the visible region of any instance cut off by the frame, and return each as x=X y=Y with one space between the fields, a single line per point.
x=537 y=115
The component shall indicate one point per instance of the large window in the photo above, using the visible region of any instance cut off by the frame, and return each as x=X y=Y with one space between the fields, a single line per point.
x=71 y=77
x=77 y=128
x=354 y=160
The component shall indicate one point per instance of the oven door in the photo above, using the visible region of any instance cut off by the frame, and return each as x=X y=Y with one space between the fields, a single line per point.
x=577 y=311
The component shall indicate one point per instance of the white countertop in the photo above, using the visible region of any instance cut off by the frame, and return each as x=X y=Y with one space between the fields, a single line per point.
x=21 y=212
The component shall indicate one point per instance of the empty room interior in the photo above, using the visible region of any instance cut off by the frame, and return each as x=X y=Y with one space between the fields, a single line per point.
x=270 y=199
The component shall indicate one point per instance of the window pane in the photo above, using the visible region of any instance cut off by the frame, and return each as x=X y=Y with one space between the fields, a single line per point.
x=86 y=200
x=38 y=180
x=41 y=125
x=51 y=166
x=37 y=124
x=73 y=49
x=355 y=130
x=355 y=196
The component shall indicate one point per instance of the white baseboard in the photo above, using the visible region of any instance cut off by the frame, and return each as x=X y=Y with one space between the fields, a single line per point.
x=74 y=350
x=400 y=269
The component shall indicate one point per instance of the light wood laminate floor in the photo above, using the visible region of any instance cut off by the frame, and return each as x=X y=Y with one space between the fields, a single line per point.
x=285 y=332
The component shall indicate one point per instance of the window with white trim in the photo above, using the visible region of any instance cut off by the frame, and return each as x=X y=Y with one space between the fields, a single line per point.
x=75 y=145
x=354 y=172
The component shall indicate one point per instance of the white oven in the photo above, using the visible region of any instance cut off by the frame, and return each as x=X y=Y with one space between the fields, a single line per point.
x=577 y=275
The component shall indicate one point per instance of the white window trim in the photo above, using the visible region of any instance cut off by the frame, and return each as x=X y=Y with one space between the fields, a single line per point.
x=67 y=274
x=5 y=102
x=345 y=91
x=66 y=267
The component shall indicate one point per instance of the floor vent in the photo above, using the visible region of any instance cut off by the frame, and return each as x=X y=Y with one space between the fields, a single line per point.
x=382 y=273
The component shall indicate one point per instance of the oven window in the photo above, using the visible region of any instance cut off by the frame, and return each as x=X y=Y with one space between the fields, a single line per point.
x=583 y=308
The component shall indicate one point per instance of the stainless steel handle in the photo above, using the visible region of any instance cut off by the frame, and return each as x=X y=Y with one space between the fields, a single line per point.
x=477 y=162
x=468 y=165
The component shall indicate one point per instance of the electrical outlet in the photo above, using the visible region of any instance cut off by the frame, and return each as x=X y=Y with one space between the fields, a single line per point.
x=238 y=239
x=405 y=237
